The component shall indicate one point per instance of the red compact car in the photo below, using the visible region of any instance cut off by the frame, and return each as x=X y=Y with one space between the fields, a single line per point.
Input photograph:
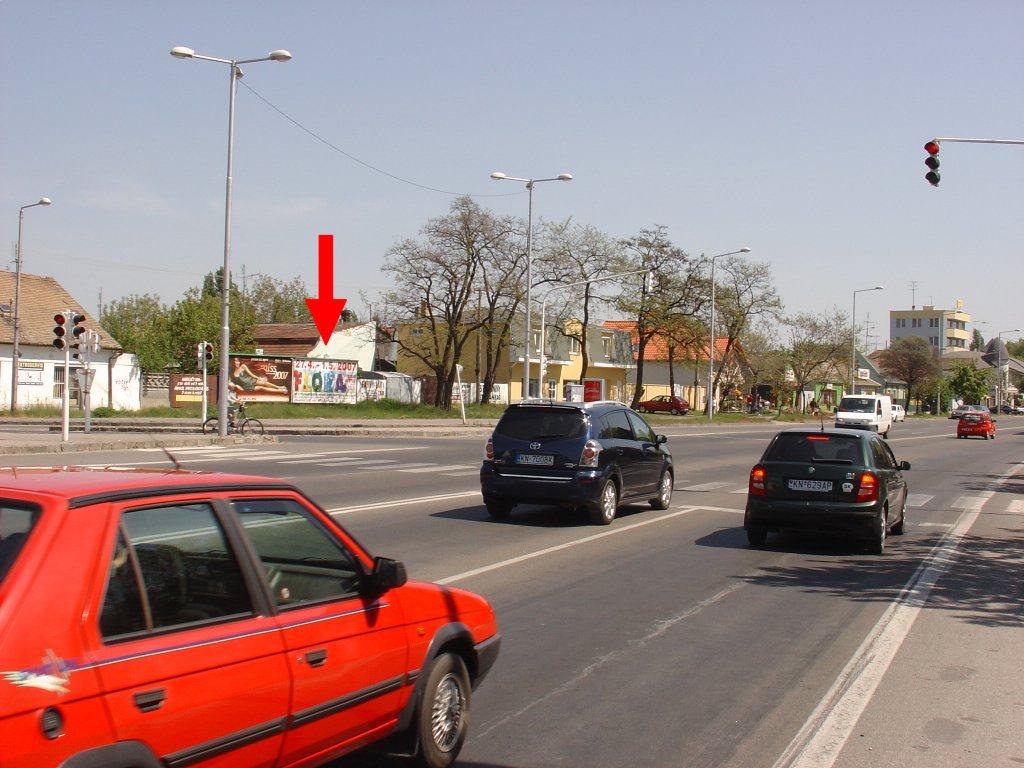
x=976 y=424
x=664 y=404
x=152 y=618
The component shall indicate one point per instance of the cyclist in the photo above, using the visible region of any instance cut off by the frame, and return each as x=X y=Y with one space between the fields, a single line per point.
x=232 y=400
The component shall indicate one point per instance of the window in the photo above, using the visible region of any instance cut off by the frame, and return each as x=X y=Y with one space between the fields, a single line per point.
x=615 y=426
x=883 y=456
x=641 y=428
x=171 y=566
x=606 y=343
x=15 y=525
x=302 y=561
x=574 y=345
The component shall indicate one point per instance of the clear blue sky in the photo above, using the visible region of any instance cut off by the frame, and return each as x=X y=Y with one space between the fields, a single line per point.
x=794 y=128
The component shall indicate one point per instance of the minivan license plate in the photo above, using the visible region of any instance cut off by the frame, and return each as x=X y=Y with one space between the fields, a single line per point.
x=810 y=485
x=535 y=459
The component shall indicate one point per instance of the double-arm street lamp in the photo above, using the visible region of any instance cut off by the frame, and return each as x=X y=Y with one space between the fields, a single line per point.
x=711 y=340
x=14 y=310
x=999 y=368
x=853 y=343
x=225 y=331
x=544 y=306
x=498 y=175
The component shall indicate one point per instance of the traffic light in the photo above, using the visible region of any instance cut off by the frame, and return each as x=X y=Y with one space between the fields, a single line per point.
x=76 y=333
x=932 y=161
x=208 y=351
x=199 y=353
x=204 y=353
x=59 y=331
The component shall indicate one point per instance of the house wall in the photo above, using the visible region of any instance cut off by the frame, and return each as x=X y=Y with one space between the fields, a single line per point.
x=115 y=384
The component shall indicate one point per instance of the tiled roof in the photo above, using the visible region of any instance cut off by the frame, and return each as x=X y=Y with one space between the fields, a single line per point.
x=40 y=299
x=657 y=346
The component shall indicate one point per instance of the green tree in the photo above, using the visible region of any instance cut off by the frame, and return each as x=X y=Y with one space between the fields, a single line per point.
x=977 y=340
x=912 y=359
x=140 y=325
x=970 y=383
x=1015 y=348
x=275 y=301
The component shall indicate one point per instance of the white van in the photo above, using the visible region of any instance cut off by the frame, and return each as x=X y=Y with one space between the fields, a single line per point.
x=872 y=412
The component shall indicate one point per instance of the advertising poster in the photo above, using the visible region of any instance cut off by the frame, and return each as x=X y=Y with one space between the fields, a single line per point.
x=187 y=389
x=593 y=390
x=324 y=381
x=372 y=389
x=260 y=379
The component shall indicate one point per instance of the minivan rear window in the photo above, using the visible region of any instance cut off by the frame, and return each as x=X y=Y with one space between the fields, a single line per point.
x=842 y=449
x=857 y=404
x=542 y=424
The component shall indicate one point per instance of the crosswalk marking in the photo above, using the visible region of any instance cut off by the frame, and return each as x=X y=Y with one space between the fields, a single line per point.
x=1015 y=507
x=706 y=486
x=918 y=499
x=433 y=468
x=346 y=462
x=969 y=502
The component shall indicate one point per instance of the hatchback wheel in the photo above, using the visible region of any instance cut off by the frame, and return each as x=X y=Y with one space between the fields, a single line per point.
x=664 y=497
x=757 y=536
x=604 y=512
x=881 y=530
x=443 y=715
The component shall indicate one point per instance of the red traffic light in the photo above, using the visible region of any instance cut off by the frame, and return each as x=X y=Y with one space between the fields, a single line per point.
x=59 y=319
x=932 y=148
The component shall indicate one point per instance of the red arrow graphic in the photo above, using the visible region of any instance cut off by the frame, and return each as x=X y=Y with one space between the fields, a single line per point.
x=326 y=309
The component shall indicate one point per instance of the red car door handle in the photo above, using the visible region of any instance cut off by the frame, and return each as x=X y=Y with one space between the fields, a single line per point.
x=316 y=658
x=149 y=701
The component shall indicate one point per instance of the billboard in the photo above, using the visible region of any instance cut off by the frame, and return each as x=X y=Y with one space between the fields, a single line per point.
x=260 y=379
x=324 y=381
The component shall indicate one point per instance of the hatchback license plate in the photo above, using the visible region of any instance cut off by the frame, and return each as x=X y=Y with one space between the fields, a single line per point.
x=535 y=459
x=810 y=485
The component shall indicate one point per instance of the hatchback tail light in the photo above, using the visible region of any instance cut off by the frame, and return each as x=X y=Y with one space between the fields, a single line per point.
x=591 y=450
x=489 y=450
x=868 y=490
x=756 y=487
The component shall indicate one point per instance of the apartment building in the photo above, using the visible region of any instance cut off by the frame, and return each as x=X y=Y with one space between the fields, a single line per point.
x=945 y=329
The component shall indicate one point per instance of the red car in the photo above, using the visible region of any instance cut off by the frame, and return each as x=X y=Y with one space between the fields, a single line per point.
x=664 y=404
x=977 y=424
x=154 y=618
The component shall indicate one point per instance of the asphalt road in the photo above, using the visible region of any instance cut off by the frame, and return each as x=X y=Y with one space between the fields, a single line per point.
x=664 y=640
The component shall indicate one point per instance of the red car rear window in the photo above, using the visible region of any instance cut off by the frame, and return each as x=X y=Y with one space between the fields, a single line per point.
x=15 y=525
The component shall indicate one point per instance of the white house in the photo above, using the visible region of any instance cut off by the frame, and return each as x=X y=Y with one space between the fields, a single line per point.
x=40 y=380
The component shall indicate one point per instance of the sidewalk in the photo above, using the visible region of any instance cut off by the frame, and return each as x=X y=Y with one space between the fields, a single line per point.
x=22 y=436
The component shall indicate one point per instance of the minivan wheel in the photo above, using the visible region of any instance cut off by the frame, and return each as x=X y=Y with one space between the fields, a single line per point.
x=664 y=497
x=499 y=510
x=604 y=512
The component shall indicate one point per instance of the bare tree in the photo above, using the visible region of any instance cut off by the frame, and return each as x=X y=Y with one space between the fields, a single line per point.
x=676 y=289
x=817 y=346
x=437 y=281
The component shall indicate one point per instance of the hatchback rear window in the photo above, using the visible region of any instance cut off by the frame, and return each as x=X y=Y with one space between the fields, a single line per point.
x=15 y=525
x=542 y=424
x=815 y=447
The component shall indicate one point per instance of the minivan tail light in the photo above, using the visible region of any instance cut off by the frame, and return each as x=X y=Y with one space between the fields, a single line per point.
x=868 y=490
x=756 y=487
x=591 y=450
x=489 y=450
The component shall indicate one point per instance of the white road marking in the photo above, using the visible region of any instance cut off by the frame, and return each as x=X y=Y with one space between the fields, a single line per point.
x=707 y=486
x=432 y=468
x=918 y=499
x=970 y=502
x=402 y=502
x=1015 y=507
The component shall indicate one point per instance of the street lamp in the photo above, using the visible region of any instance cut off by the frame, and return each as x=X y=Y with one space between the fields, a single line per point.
x=181 y=52
x=711 y=345
x=17 y=295
x=499 y=176
x=544 y=304
x=853 y=343
x=999 y=367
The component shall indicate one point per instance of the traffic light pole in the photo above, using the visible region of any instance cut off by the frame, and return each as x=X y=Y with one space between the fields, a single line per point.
x=932 y=148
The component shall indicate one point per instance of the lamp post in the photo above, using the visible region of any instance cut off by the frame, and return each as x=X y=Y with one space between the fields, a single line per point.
x=544 y=304
x=711 y=339
x=181 y=52
x=999 y=367
x=15 y=355
x=853 y=343
x=499 y=176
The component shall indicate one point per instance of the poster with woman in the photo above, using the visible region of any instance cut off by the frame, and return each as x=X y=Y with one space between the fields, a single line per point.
x=260 y=379
x=324 y=381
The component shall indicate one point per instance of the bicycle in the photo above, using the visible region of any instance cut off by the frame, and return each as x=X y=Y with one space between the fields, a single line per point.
x=238 y=422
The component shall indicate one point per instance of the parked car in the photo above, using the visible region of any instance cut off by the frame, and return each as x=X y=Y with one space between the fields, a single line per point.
x=590 y=456
x=1005 y=408
x=898 y=412
x=837 y=480
x=664 y=404
x=152 y=618
x=960 y=410
x=976 y=424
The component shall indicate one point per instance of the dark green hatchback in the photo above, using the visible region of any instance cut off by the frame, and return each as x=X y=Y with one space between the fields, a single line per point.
x=836 y=481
